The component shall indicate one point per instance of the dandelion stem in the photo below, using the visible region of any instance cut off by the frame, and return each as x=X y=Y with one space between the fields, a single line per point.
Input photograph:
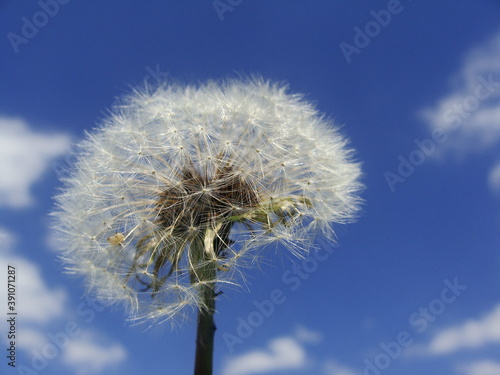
x=206 y=326
x=205 y=334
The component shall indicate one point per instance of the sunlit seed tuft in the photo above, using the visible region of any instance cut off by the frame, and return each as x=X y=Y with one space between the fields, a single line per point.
x=183 y=187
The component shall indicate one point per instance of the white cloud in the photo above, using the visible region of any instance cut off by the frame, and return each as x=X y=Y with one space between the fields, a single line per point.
x=471 y=334
x=306 y=335
x=494 y=178
x=283 y=353
x=30 y=339
x=334 y=368
x=86 y=355
x=469 y=114
x=6 y=241
x=24 y=156
x=37 y=302
x=40 y=306
x=481 y=368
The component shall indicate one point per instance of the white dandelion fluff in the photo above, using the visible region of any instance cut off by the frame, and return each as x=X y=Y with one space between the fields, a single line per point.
x=181 y=184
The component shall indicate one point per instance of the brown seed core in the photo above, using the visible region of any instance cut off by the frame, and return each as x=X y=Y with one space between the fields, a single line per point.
x=200 y=202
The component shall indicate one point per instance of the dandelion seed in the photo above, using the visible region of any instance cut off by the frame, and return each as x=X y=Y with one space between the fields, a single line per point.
x=180 y=185
x=116 y=239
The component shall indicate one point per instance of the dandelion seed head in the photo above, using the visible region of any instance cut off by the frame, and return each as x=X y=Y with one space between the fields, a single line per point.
x=227 y=168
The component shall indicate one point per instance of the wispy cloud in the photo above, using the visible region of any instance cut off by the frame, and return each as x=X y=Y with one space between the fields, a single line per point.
x=40 y=303
x=471 y=334
x=284 y=353
x=31 y=338
x=334 y=368
x=469 y=115
x=85 y=351
x=485 y=367
x=306 y=335
x=24 y=156
x=6 y=241
x=49 y=302
x=471 y=110
x=494 y=178
x=89 y=355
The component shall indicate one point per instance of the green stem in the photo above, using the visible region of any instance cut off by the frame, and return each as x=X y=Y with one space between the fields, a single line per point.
x=205 y=333
x=206 y=326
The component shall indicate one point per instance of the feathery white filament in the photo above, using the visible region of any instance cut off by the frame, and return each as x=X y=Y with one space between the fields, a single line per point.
x=228 y=168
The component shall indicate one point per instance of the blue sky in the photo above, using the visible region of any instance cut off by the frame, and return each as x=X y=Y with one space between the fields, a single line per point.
x=413 y=286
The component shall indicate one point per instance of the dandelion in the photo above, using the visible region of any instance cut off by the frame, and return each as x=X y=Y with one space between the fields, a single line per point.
x=182 y=187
